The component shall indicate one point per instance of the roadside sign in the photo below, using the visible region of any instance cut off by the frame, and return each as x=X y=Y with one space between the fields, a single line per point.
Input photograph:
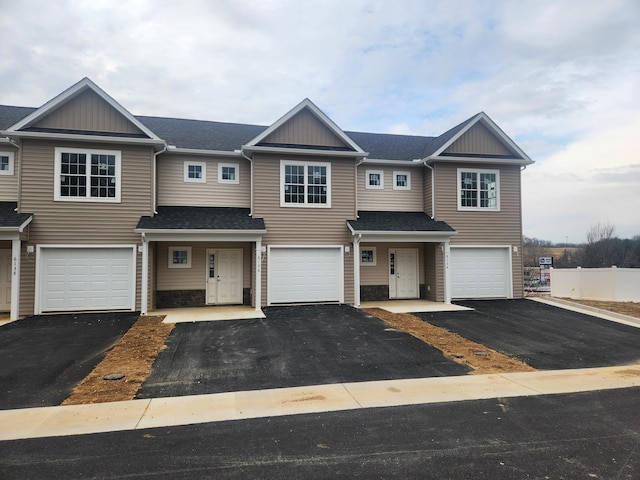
x=546 y=260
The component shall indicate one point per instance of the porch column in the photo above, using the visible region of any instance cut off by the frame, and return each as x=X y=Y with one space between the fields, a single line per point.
x=356 y=270
x=257 y=298
x=144 y=274
x=15 y=279
x=447 y=276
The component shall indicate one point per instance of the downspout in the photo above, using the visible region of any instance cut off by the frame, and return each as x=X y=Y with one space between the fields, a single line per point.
x=154 y=174
x=251 y=186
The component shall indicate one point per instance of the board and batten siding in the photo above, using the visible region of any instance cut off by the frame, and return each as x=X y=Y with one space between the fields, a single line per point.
x=70 y=222
x=388 y=199
x=174 y=191
x=484 y=227
x=304 y=129
x=306 y=225
x=478 y=140
x=9 y=183
x=88 y=112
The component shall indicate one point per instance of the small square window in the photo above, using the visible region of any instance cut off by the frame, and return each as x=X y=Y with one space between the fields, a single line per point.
x=179 y=257
x=195 y=172
x=402 y=180
x=6 y=163
x=228 y=173
x=368 y=256
x=374 y=179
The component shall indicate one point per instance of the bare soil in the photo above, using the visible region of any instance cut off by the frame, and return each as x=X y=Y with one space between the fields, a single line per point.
x=626 y=308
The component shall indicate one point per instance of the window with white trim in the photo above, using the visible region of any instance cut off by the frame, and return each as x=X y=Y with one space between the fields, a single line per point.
x=305 y=184
x=195 y=172
x=87 y=175
x=478 y=189
x=402 y=180
x=374 y=179
x=6 y=163
x=228 y=173
x=179 y=257
x=368 y=256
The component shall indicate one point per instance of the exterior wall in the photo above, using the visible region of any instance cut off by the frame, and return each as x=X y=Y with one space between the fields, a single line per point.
x=389 y=199
x=427 y=176
x=9 y=183
x=503 y=227
x=174 y=191
x=68 y=222
x=88 y=112
x=305 y=129
x=478 y=140
x=306 y=226
x=431 y=272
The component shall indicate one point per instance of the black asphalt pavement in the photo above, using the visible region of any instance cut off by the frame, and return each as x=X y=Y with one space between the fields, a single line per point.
x=544 y=336
x=44 y=357
x=594 y=435
x=292 y=346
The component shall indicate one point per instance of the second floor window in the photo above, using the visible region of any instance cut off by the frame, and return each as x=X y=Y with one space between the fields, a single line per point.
x=195 y=172
x=478 y=189
x=87 y=175
x=6 y=163
x=305 y=184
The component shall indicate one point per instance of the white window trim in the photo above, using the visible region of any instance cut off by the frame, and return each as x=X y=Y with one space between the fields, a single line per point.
x=203 y=167
x=233 y=165
x=375 y=257
x=368 y=186
x=58 y=172
x=179 y=265
x=284 y=163
x=478 y=171
x=11 y=163
x=395 y=183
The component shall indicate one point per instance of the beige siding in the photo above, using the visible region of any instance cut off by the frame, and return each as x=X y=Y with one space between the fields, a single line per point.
x=479 y=140
x=431 y=271
x=88 y=112
x=389 y=199
x=174 y=191
x=81 y=222
x=9 y=183
x=306 y=226
x=305 y=129
x=428 y=182
x=379 y=274
x=484 y=227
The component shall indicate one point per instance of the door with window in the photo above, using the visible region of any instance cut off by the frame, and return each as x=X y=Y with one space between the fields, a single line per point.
x=403 y=273
x=224 y=276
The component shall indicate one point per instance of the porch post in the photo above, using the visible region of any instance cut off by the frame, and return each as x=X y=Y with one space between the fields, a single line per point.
x=144 y=287
x=257 y=298
x=447 y=276
x=356 y=271
x=15 y=279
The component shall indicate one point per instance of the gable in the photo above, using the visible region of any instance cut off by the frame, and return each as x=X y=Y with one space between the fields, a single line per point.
x=89 y=112
x=479 y=140
x=304 y=128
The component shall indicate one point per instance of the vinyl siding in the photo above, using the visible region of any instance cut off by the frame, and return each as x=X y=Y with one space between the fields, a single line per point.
x=427 y=192
x=305 y=129
x=9 y=183
x=379 y=274
x=478 y=140
x=484 y=227
x=306 y=226
x=174 y=191
x=88 y=112
x=389 y=199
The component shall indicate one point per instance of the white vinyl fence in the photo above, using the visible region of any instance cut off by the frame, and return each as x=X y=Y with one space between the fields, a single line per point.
x=609 y=284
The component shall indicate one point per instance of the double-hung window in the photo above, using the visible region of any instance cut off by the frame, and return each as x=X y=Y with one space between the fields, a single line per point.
x=478 y=189
x=195 y=172
x=6 y=163
x=305 y=184
x=87 y=175
x=228 y=173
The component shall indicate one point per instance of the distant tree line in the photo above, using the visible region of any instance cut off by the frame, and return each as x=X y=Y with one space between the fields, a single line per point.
x=603 y=249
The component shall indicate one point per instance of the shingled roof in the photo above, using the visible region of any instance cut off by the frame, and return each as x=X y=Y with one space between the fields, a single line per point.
x=9 y=218
x=378 y=221
x=201 y=218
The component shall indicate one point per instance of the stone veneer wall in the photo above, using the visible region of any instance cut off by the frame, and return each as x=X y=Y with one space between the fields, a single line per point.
x=189 y=298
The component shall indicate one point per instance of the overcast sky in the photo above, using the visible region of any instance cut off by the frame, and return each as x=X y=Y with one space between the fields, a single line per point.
x=560 y=77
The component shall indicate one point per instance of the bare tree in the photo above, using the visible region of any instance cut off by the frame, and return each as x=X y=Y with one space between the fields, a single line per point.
x=599 y=251
x=600 y=231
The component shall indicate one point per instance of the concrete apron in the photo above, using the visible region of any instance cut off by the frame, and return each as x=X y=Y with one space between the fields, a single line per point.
x=162 y=412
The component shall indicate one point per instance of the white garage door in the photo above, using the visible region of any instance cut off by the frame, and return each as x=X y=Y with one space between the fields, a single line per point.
x=480 y=273
x=305 y=275
x=77 y=279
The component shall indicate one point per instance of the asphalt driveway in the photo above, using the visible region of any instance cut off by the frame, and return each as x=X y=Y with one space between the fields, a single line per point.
x=292 y=346
x=544 y=336
x=42 y=358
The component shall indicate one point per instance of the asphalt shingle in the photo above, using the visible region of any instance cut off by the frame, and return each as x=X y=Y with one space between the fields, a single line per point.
x=378 y=221
x=201 y=218
x=9 y=217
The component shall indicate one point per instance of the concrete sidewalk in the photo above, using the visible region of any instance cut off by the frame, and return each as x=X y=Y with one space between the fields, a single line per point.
x=160 y=412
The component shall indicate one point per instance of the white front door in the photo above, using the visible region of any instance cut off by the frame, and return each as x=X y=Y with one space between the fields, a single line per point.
x=224 y=276
x=5 y=280
x=403 y=273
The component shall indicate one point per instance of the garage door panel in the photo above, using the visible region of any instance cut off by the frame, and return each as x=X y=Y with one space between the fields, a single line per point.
x=480 y=273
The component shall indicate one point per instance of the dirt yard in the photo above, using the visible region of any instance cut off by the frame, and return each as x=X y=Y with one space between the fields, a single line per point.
x=626 y=308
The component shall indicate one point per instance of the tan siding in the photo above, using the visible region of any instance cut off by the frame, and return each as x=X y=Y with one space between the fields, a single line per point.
x=379 y=274
x=389 y=199
x=484 y=227
x=428 y=200
x=431 y=271
x=305 y=129
x=9 y=183
x=306 y=226
x=88 y=112
x=174 y=191
x=82 y=222
x=479 y=140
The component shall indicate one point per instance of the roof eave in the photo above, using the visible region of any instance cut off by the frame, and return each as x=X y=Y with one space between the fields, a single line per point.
x=303 y=151
x=203 y=151
x=504 y=161
x=91 y=138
